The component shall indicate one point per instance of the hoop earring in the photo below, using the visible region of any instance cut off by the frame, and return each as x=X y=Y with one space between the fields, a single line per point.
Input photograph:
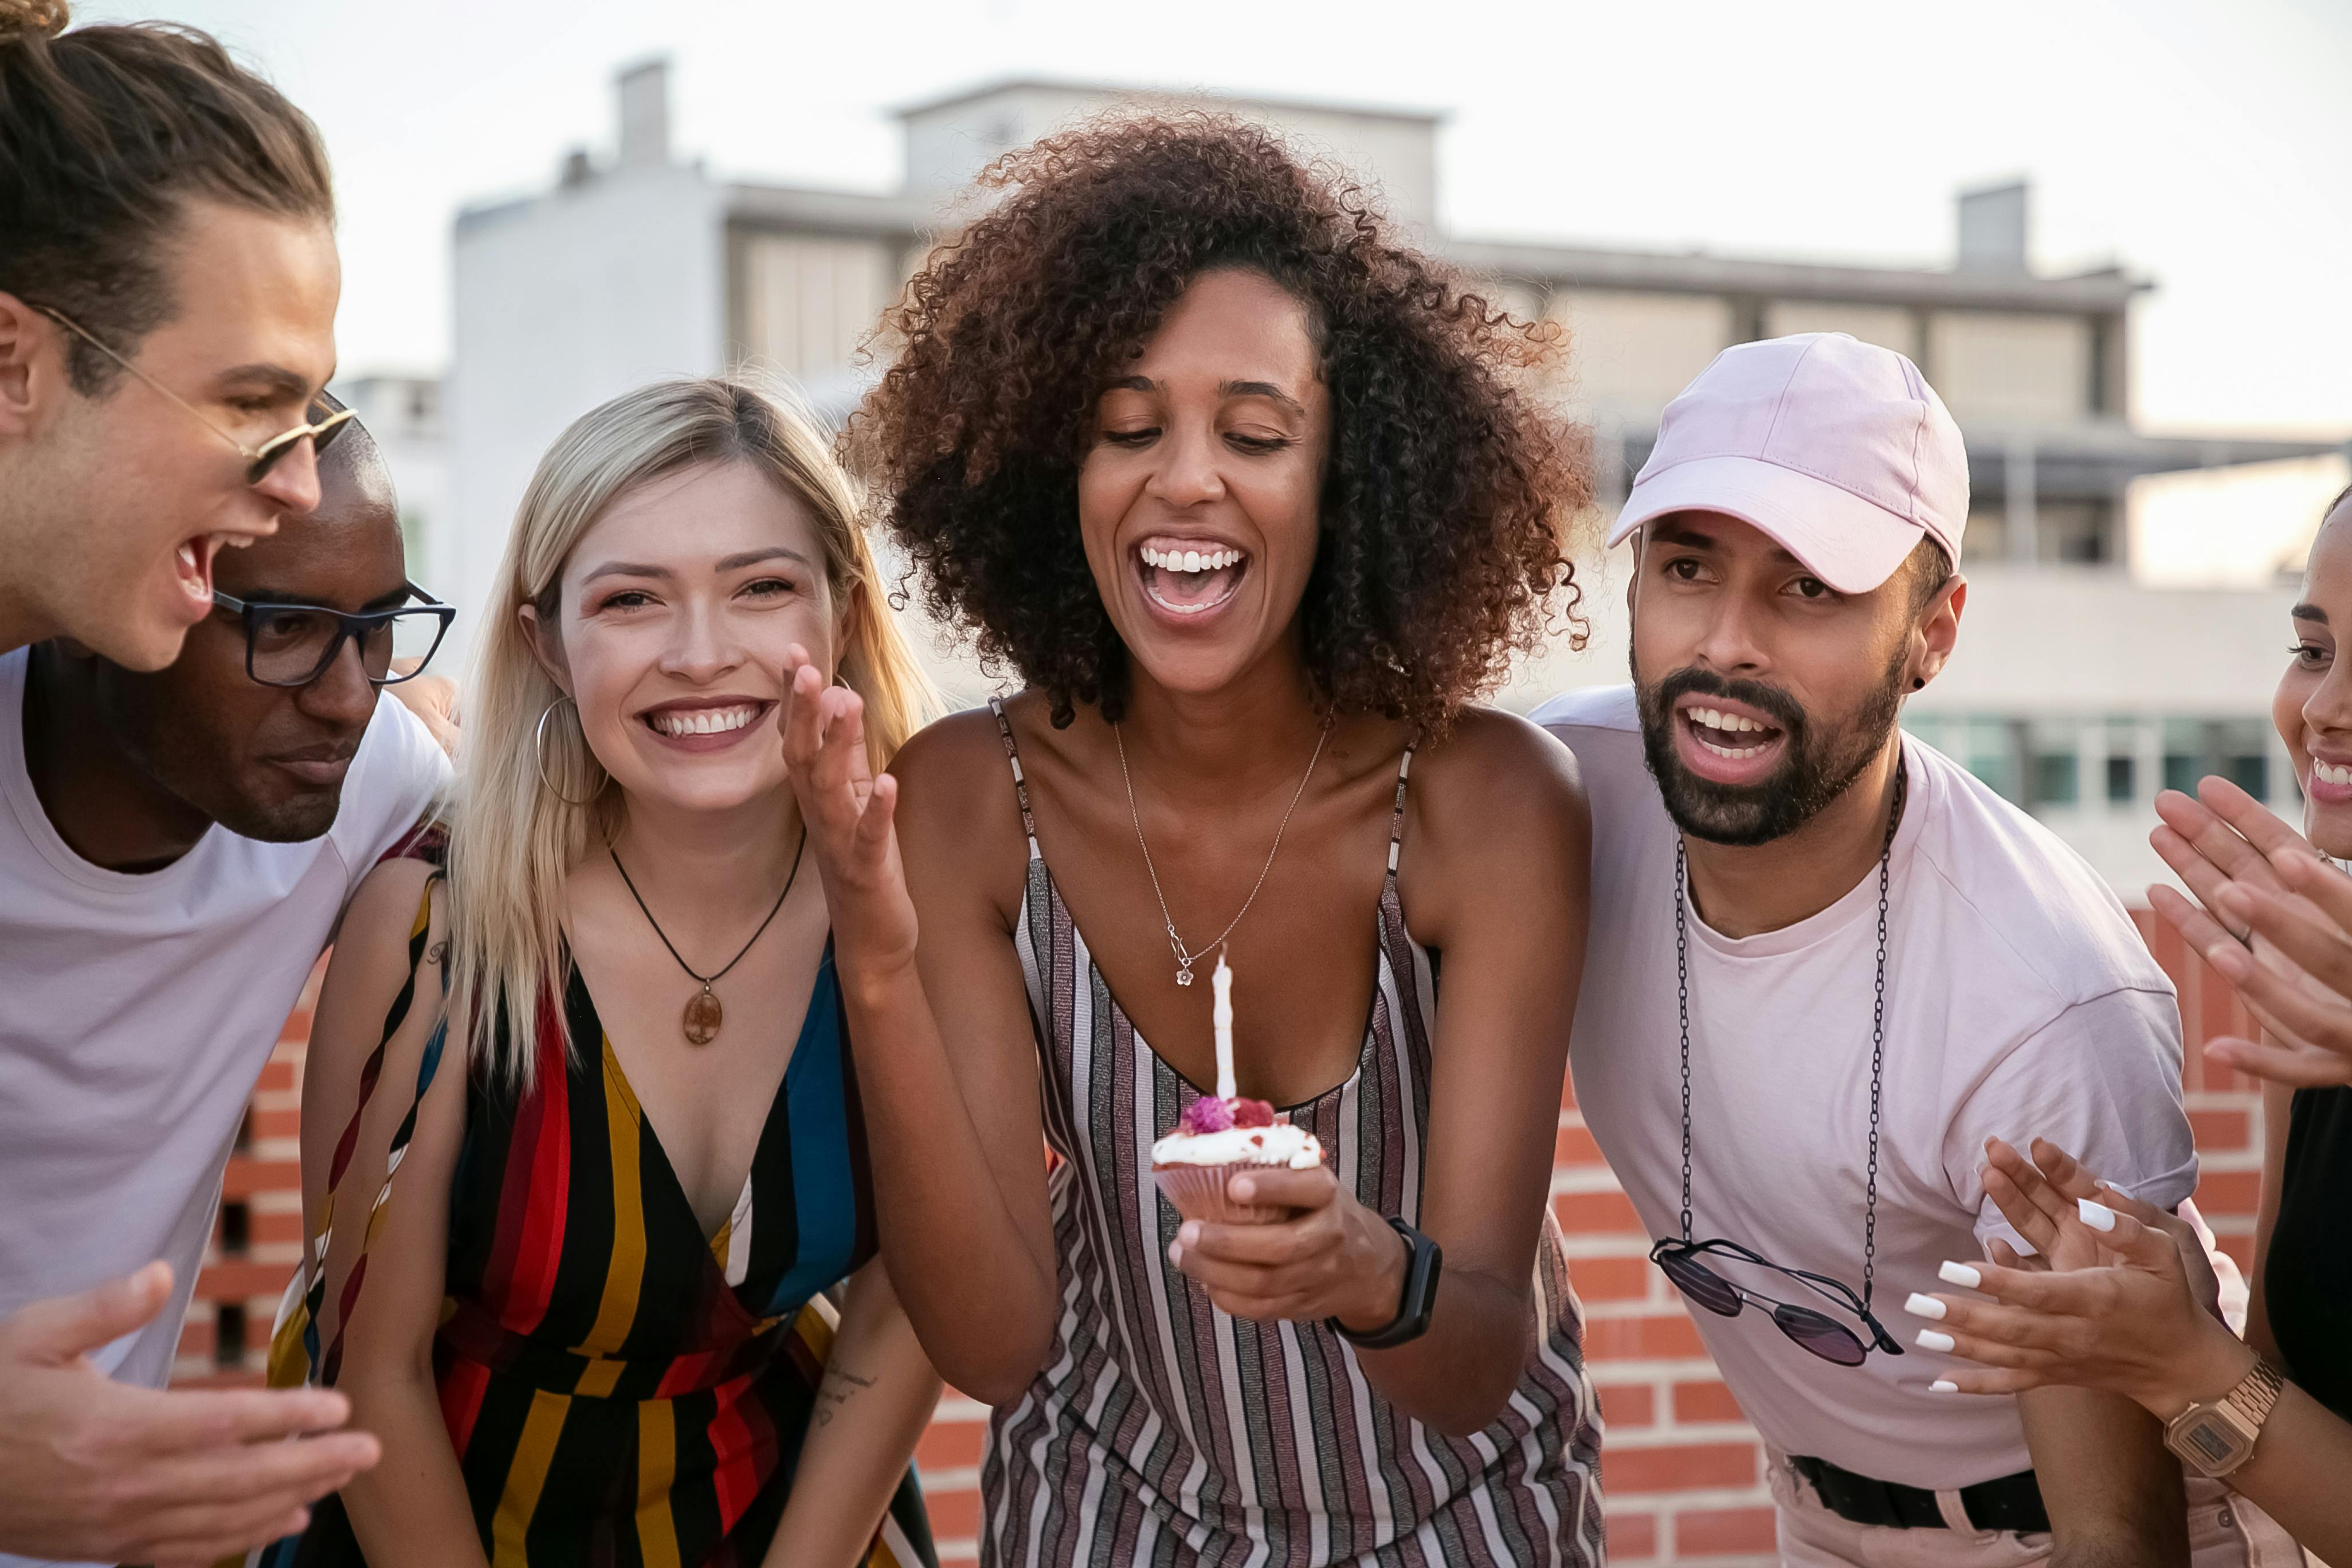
x=539 y=756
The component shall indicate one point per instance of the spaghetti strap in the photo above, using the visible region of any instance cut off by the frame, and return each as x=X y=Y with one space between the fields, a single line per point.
x=1396 y=817
x=1021 y=784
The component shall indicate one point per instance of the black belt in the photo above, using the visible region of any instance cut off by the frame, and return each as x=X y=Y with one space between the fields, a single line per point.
x=2010 y=1502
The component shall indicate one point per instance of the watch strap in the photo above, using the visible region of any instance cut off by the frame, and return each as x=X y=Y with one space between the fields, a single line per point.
x=1425 y=1261
x=2256 y=1393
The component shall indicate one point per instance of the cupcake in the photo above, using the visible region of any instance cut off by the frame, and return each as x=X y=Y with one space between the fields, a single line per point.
x=1218 y=1137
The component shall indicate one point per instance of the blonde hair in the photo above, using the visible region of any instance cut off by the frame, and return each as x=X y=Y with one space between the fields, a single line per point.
x=513 y=837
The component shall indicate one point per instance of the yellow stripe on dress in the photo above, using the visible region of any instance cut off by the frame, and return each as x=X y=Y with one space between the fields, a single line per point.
x=624 y=1273
x=526 y=1476
x=656 y=1467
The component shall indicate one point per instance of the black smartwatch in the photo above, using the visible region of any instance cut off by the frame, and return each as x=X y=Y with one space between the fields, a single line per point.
x=1414 y=1303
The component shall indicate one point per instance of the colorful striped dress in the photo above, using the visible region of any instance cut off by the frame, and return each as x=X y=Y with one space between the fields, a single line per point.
x=620 y=1390
x=1163 y=1431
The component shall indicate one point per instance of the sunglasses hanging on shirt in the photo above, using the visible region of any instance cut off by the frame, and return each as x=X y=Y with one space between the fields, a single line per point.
x=1684 y=1259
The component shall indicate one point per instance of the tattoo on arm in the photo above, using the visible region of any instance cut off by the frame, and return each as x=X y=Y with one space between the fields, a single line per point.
x=840 y=1386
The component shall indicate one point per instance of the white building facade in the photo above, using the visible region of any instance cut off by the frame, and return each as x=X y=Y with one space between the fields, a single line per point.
x=2080 y=688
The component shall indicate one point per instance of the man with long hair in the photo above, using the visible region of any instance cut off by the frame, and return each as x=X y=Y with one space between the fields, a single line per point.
x=176 y=848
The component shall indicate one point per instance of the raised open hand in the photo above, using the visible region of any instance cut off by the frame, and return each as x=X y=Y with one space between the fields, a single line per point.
x=848 y=812
x=2276 y=924
x=93 y=1467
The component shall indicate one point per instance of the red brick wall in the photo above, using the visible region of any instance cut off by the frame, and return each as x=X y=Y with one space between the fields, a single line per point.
x=1681 y=1468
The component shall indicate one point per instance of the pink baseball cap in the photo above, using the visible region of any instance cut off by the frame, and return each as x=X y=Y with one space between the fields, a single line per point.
x=1840 y=450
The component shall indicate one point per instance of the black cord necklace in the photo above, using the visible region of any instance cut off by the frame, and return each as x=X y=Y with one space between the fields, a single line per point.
x=703 y=1015
x=1878 y=1033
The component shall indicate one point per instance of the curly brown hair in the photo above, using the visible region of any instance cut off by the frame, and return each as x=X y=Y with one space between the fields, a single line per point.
x=1449 y=487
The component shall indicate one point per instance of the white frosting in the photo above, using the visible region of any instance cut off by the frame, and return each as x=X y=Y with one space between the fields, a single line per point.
x=1280 y=1144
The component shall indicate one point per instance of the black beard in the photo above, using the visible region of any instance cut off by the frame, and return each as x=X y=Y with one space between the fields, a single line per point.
x=1820 y=762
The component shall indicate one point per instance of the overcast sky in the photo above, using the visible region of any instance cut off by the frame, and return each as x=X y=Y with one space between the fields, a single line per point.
x=2206 y=145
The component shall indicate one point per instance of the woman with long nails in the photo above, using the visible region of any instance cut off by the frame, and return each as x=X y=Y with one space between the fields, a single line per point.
x=597 y=1081
x=2117 y=1299
x=1255 y=500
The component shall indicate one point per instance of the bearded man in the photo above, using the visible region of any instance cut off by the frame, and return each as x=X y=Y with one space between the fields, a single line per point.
x=1827 y=966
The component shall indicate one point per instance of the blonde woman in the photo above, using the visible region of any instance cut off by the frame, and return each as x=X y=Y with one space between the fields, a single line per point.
x=586 y=1322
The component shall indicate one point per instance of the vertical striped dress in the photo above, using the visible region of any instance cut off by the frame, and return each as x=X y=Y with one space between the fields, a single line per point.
x=1163 y=1431
x=623 y=1392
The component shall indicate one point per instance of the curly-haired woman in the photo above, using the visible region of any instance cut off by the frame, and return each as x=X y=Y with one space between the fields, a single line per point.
x=1256 y=502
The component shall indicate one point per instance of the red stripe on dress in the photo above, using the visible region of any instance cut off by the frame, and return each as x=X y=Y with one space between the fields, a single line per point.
x=462 y=1388
x=684 y=1374
x=537 y=1190
x=734 y=1478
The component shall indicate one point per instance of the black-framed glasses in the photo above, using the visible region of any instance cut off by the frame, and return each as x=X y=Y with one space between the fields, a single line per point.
x=1808 y=1328
x=294 y=645
x=320 y=428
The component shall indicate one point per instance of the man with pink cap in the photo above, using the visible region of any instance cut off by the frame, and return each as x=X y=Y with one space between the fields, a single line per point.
x=1828 y=966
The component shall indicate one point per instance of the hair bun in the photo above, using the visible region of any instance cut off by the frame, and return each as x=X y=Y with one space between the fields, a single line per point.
x=20 y=17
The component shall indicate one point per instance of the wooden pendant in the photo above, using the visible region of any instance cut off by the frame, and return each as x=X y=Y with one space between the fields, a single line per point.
x=702 y=1017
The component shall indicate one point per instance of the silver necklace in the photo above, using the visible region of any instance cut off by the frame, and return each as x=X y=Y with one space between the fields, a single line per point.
x=1187 y=957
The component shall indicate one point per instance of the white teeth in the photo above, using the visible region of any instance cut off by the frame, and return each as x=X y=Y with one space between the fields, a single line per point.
x=1736 y=723
x=2330 y=773
x=1191 y=559
x=703 y=721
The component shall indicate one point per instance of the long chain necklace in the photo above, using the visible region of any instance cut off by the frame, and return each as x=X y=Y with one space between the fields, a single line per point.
x=1187 y=957
x=1878 y=1033
x=703 y=1016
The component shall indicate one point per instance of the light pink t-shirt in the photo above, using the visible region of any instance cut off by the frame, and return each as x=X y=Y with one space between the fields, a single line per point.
x=2020 y=1001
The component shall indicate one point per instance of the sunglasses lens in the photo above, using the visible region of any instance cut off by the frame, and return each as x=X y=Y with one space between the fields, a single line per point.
x=1701 y=1283
x=1824 y=1337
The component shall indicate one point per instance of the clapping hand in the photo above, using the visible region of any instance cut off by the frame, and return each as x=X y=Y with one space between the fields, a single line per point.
x=2276 y=924
x=2037 y=1196
x=2113 y=1307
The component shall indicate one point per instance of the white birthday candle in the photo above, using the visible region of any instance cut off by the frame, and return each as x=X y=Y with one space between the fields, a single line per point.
x=1222 y=981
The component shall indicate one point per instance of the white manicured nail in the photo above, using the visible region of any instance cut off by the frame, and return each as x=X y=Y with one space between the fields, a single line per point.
x=1920 y=1306
x=1929 y=1340
x=1943 y=1385
x=2098 y=1216
x=1960 y=1274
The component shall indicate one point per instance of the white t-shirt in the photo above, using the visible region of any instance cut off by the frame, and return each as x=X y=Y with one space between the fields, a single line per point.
x=2020 y=1001
x=136 y=1013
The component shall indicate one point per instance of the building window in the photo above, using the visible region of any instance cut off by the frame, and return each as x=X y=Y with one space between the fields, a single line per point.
x=1632 y=353
x=236 y=1229
x=805 y=301
x=2243 y=755
x=2051 y=766
x=228 y=1335
x=2120 y=782
x=2185 y=755
x=245 y=1131
x=1990 y=750
x=2053 y=779
x=2012 y=368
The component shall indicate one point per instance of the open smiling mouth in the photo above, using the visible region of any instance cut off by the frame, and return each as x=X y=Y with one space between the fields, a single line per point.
x=1735 y=737
x=716 y=719
x=192 y=565
x=1189 y=577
